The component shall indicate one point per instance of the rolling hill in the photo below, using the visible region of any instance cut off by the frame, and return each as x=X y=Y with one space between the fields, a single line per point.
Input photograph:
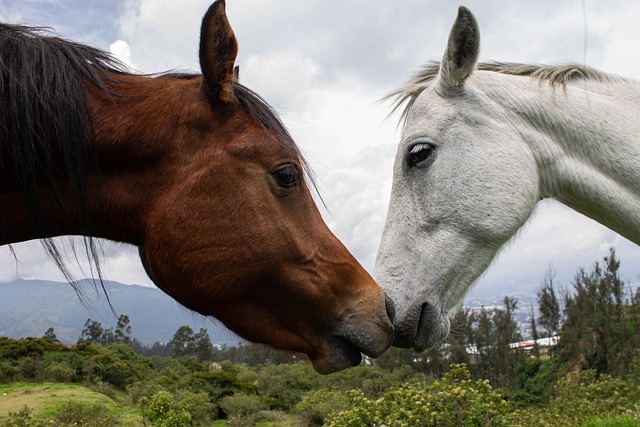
x=30 y=307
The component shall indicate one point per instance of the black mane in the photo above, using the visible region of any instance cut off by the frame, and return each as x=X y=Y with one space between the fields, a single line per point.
x=44 y=120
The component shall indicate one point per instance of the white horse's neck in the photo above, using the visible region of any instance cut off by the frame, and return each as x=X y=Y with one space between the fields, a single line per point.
x=585 y=137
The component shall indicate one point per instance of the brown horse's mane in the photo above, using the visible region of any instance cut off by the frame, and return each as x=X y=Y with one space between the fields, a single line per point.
x=45 y=123
x=46 y=127
x=404 y=97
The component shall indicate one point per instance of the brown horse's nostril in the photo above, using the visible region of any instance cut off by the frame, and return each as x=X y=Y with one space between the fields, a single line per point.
x=391 y=308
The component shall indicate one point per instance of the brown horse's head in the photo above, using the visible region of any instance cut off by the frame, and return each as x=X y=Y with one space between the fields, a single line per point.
x=234 y=232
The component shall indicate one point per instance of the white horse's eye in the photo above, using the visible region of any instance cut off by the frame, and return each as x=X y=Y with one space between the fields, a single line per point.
x=419 y=153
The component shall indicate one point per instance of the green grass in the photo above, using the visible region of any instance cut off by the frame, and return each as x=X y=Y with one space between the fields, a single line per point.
x=45 y=398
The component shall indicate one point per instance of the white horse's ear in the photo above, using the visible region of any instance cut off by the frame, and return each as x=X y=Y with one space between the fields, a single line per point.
x=461 y=54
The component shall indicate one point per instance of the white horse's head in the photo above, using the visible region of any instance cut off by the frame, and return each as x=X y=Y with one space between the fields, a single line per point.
x=463 y=185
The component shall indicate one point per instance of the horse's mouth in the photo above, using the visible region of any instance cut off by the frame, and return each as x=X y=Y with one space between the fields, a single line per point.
x=424 y=327
x=341 y=355
x=346 y=351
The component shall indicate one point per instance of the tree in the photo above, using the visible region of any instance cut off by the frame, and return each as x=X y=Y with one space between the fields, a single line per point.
x=122 y=334
x=202 y=347
x=549 y=305
x=483 y=338
x=504 y=358
x=93 y=332
x=596 y=332
x=51 y=335
x=183 y=341
x=534 y=334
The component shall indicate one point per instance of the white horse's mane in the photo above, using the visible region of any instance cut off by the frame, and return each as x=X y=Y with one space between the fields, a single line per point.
x=560 y=75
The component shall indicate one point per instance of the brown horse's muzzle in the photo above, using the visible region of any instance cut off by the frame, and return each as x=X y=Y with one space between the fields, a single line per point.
x=365 y=328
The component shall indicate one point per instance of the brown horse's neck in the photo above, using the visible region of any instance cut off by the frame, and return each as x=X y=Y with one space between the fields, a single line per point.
x=133 y=130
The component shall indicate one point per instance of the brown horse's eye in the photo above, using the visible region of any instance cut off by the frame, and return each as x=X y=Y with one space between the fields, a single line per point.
x=287 y=176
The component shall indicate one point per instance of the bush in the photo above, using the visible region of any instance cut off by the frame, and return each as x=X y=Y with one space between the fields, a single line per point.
x=141 y=389
x=456 y=401
x=83 y=414
x=7 y=371
x=612 y=422
x=107 y=368
x=198 y=405
x=22 y=418
x=217 y=384
x=242 y=409
x=317 y=404
x=104 y=388
x=28 y=368
x=580 y=397
x=285 y=384
x=16 y=349
x=59 y=372
x=161 y=411
x=62 y=366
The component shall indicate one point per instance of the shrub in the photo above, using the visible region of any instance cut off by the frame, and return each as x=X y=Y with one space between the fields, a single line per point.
x=7 y=371
x=612 y=422
x=72 y=358
x=83 y=414
x=580 y=397
x=28 y=368
x=217 y=384
x=161 y=411
x=198 y=405
x=284 y=385
x=456 y=401
x=107 y=368
x=317 y=404
x=141 y=389
x=22 y=418
x=242 y=408
x=12 y=349
x=59 y=372
x=104 y=388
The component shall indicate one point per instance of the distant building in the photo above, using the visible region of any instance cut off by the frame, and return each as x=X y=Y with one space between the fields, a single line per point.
x=523 y=346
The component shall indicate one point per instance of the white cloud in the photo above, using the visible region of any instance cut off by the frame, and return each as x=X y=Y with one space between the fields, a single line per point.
x=284 y=78
x=163 y=34
x=121 y=50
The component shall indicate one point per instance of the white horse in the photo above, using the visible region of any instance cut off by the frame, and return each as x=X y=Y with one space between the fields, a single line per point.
x=481 y=145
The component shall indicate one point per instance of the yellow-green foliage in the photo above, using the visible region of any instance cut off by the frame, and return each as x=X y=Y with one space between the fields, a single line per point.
x=456 y=401
x=580 y=397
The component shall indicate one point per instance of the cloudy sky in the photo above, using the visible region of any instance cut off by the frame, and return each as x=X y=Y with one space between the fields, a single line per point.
x=324 y=64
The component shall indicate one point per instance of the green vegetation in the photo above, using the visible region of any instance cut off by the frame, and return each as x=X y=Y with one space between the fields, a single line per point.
x=455 y=401
x=591 y=378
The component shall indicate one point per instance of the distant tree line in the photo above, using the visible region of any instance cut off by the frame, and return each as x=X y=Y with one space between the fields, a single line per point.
x=184 y=343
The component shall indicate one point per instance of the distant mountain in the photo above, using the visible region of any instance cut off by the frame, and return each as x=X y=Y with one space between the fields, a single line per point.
x=29 y=307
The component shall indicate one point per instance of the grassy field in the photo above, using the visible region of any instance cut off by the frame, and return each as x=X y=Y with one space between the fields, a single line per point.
x=45 y=398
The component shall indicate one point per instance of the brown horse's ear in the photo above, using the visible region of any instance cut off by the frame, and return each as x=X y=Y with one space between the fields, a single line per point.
x=218 y=51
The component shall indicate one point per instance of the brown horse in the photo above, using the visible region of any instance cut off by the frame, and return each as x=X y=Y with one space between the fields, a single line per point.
x=195 y=170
